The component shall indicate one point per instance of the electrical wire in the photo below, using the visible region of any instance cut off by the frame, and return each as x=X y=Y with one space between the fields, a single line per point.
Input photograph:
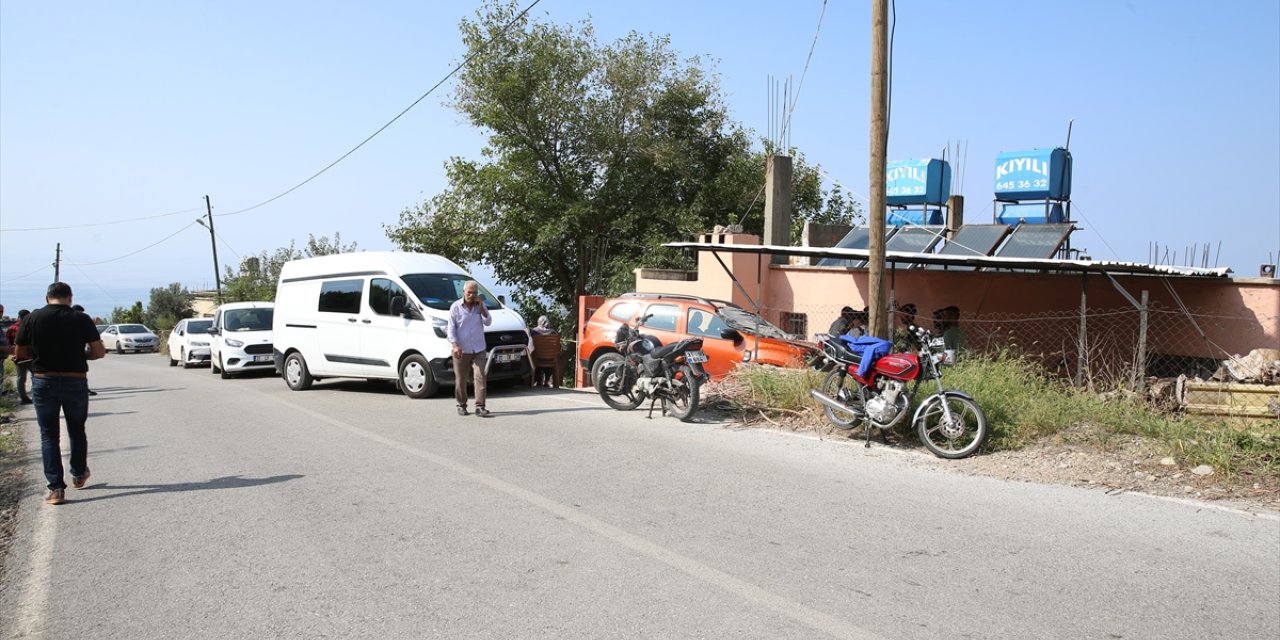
x=100 y=224
x=437 y=85
x=786 y=124
x=89 y=264
x=1076 y=209
x=17 y=278
x=95 y=283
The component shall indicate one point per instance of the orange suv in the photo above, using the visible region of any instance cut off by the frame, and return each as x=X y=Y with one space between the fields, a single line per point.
x=730 y=334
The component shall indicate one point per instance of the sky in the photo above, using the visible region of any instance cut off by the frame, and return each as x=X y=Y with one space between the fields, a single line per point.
x=115 y=111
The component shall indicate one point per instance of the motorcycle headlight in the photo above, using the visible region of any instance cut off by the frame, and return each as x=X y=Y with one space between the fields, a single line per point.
x=234 y=343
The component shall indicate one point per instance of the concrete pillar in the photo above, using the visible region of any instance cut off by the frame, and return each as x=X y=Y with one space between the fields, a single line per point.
x=955 y=215
x=777 y=204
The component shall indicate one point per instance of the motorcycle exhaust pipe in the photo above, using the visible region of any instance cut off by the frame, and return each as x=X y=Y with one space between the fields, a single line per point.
x=827 y=400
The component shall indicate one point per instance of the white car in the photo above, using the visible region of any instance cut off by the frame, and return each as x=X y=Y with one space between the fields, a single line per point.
x=129 y=337
x=189 y=342
x=241 y=338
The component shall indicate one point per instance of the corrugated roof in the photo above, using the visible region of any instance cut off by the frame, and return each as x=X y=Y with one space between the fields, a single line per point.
x=984 y=262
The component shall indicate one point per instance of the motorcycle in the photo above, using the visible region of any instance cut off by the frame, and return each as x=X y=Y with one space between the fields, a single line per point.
x=643 y=368
x=950 y=423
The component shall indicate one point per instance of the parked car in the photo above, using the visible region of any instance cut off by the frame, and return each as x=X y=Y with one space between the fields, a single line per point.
x=730 y=334
x=129 y=337
x=240 y=339
x=189 y=342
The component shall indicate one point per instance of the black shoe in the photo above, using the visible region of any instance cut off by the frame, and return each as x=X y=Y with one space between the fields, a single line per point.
x=482 y=412
x=92 y=392
x=25 y=401
x=462 y=411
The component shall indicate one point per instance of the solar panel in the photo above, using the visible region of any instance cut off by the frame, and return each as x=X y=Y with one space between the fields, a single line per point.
x=857 y=238
x=914 y=239
x=972 y=240
x=1035 y=241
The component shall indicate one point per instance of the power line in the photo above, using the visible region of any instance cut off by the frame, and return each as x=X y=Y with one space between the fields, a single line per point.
x=89 y=264
x=437 y=85
x=100 y=224
x=16 y=278
x=787 y=122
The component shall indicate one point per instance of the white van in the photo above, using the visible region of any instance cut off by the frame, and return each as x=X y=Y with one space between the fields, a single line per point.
x=241 y=338
x=383 y=315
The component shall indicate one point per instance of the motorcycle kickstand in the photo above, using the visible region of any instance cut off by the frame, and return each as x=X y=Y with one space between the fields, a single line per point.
x=868 y=445
x=653 y=401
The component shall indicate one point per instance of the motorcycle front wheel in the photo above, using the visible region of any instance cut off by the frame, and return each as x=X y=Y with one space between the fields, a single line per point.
x=615 y=387
x=959 y=436
x=684 y=394
x=842 y=387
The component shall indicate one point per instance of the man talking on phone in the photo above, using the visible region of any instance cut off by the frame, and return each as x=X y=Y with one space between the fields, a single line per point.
x=467 y=319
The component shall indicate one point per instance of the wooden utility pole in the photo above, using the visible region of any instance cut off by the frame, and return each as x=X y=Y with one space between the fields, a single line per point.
x=217 y=278
x=878 y=303
x=57 y=263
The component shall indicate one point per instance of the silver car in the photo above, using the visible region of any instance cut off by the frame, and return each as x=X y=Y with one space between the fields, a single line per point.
x=129 y=337
x=189 y=342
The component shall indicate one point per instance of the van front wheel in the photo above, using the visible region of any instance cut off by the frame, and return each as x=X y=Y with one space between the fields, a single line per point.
x=416 y=380
x=295 y=372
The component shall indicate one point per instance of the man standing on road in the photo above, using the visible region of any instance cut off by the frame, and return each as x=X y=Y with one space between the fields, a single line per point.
x=467 y=319
x=22 y=367
x=53 y=338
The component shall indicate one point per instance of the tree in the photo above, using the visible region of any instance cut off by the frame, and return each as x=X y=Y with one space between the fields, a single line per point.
x=168 y=305
x=132 y=315
x=596 y=156
x=258 y=275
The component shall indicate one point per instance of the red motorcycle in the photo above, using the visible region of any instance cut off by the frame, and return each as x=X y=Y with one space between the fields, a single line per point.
x=950 y=423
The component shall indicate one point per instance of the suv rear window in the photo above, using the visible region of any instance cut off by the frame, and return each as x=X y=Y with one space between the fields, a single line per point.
x=623 y=311
x=662 y=317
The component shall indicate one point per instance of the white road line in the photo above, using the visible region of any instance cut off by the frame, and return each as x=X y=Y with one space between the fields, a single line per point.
x=29 y=618
x=741 y=588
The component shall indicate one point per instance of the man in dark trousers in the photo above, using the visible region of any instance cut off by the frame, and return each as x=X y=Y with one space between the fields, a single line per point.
x=21 y=367
x=54 y=338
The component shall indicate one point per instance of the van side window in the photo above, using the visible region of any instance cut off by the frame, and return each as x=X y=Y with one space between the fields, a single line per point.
x=341 y=296
x=381 y=290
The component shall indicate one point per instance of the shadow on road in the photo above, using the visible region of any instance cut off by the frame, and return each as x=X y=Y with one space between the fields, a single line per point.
x=225 y=482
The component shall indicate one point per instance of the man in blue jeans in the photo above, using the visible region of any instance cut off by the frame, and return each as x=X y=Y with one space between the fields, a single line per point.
x=53 y=339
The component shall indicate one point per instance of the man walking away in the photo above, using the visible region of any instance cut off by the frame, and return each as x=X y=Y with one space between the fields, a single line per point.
x=22 y=366
x=467 y=320
x=76 y=307
x=54 y=338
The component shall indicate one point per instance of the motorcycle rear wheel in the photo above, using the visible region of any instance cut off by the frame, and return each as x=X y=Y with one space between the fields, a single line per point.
x=959 y=437
x=841 y=386
x=613 y=386
x=684 y=395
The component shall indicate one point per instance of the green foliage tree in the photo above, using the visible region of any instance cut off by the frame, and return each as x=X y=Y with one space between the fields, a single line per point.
x=168 y=305
x=258 y=275
x=596 y=156
x=131 y=315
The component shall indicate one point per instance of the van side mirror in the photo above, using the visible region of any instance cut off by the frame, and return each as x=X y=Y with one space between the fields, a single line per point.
x=397 y=305
x=731 y=334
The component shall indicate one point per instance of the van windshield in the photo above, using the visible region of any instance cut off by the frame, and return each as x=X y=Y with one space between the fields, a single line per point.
x=439 y=290
x=247 y=319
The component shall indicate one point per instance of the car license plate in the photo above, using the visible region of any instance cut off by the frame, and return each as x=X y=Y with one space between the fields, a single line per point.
x=695 y=357
x=508 y=357
x=262 y=358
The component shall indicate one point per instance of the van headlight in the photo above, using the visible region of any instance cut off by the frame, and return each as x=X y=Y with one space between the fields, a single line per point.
x=234 y=343
x=440 y=326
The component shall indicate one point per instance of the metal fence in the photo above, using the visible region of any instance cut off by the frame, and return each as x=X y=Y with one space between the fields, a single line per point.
x=1110 y=348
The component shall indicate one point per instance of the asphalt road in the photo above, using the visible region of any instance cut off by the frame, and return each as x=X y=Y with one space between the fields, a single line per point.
x=240 y=509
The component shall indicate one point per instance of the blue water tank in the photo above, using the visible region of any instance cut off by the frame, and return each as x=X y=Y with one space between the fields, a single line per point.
x=913 y=217
x=1042 y=174
x=1031 y=213
x=917 y=182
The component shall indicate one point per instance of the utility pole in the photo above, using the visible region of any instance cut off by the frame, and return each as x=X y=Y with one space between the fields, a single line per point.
x=217 y=278
x=877 y=305
x=57 y=264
